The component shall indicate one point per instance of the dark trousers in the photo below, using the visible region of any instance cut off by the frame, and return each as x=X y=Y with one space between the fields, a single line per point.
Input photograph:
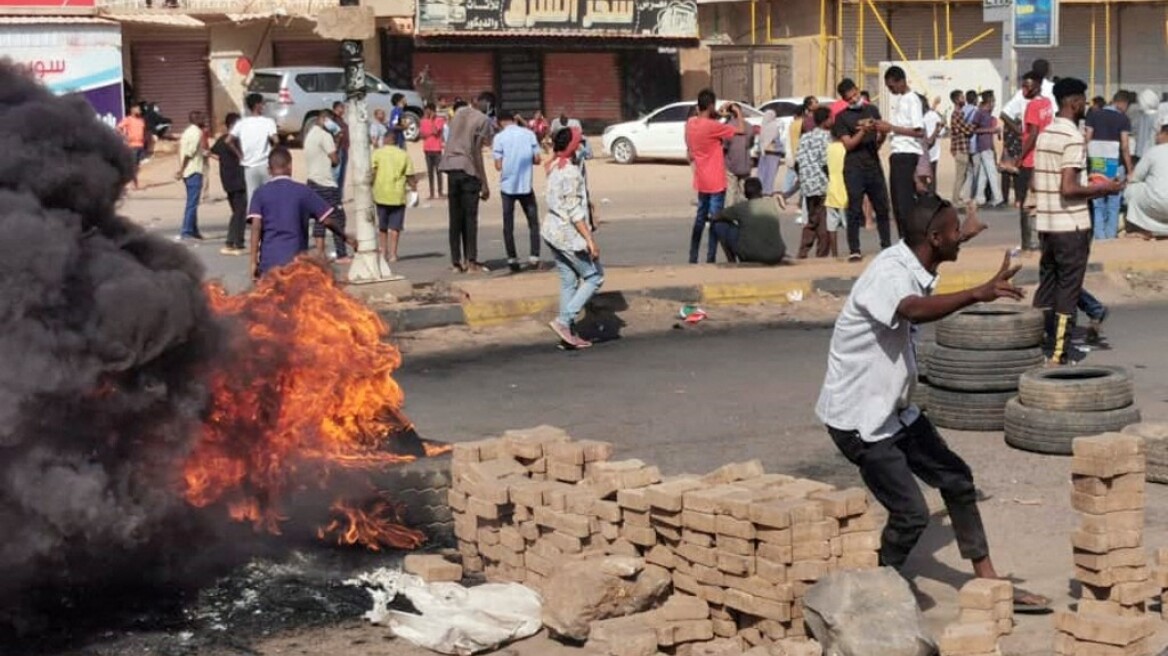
x=861 y=181
x=463 y=206
x=531 y=211
x=1060 y=285
x=815 y=230
x=709 y=205
x=888 y=467
x=1026 y=221
x=726 y=234
x=236 y=226
x=433 y=175
x=902 y=170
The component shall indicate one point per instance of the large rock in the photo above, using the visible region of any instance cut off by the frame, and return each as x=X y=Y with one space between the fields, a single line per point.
x=866 y=613
x=600 y=587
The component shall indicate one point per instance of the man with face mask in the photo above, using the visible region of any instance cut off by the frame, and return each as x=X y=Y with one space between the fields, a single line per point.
x=860 y=128
x=1063 y=214
x=871 y=368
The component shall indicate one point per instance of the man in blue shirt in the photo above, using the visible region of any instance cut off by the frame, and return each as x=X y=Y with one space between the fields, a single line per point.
x=280 y=213
x=396 y=118
x=516 y=151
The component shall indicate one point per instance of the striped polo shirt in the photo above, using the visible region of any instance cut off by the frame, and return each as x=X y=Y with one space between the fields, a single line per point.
x=1060 y=146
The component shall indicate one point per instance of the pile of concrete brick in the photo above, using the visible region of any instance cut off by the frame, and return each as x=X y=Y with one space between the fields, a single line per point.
x=743 y=545
x=1107 y=473
x=987 y=614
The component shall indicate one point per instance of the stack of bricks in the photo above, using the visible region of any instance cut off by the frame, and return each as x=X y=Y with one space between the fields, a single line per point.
x=745 y=543
x=1160 y=579
x=1107 y=473
x=987 y=614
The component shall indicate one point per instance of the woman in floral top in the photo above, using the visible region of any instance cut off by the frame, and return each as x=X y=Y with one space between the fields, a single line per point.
x=567 y=233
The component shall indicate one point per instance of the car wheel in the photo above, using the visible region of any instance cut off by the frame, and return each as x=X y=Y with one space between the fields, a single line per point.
x=411 y=126
x=623 y=151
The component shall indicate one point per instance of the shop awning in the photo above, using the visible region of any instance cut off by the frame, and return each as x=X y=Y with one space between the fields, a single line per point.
x=155 y=17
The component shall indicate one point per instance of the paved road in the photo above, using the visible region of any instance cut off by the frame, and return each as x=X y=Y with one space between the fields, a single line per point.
x=690 y=402
x=425 y=246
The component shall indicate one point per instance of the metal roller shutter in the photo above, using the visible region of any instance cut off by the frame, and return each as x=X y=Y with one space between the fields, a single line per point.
x=458 y=74
x=175 y=75
x=520 y=81
x=586 y=85
x=1072 y=58
x=306 y=53
x=1143 y=46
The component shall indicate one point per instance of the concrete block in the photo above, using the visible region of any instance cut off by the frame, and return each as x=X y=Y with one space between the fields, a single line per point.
x=432 y=568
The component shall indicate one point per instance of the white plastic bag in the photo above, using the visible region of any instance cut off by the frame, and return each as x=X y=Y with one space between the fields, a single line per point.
x=454 y=619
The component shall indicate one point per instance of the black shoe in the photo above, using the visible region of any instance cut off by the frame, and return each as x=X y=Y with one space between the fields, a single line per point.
x=1095 y=328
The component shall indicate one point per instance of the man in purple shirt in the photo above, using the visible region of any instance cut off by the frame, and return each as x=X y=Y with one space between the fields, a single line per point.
x=984 y=159
x=280 y=213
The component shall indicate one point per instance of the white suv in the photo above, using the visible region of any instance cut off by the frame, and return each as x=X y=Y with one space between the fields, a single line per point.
x=294 y=95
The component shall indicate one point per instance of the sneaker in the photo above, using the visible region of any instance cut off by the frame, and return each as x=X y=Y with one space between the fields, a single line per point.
x=855 y=257
x=513 y=264
x=1095 y=328
x=562 y=331
x=232 y=250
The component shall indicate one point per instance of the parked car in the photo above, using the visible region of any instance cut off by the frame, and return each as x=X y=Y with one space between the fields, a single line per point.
x=293 y=96
x=786 y=109
x=660 y=134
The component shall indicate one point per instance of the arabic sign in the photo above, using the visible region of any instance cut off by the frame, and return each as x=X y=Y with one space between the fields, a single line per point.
x=663 y=18
x=72 y=59
x=46 y=3
x=1036 y=23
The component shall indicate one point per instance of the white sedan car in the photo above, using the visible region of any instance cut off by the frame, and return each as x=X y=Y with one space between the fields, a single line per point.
x=660 y=134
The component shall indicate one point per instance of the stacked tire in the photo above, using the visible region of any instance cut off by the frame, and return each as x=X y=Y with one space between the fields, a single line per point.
x=1054 y=406
x=973 y=369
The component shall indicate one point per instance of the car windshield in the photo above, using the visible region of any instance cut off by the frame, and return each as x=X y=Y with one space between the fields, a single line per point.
x=782 y=108
x=265 y=83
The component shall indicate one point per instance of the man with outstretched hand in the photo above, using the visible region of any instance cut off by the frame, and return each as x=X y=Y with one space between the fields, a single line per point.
x=870 y=371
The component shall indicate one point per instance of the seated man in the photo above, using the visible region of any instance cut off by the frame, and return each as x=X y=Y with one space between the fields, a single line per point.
x=749 y=231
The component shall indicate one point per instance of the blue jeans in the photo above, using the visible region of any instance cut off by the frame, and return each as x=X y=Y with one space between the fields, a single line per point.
x=727 y=235
x=1091 y=305
x=190 y=224
x=709 y=205
x=580 y=277
x=1105 y=215
x=339 y=169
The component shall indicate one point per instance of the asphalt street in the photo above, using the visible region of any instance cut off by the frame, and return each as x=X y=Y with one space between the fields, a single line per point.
x=625 y=239
x=689 y=402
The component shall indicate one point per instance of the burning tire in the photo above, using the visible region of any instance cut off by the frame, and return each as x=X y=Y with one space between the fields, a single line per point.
x=992 y=327
x=980 y=371
x=1051 y=431
x=1081 y=389
x=970 y=411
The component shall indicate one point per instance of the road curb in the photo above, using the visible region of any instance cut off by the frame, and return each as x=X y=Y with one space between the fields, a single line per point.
x=480 y=314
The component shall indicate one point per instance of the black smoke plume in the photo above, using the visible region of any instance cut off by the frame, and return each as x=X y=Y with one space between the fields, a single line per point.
x=104 y=333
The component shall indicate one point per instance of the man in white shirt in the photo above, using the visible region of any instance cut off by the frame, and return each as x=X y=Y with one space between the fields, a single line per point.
x=1016 y=108
x=870 y=371
x=254 y=135
x=908 y=129
x=933 y=124
x=320 y=156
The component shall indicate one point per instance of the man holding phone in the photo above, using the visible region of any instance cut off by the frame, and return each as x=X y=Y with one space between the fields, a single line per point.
x=704 y=137
x=859 y=127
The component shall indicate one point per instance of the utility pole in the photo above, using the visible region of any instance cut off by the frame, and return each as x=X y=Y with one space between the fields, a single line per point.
x=368 y=264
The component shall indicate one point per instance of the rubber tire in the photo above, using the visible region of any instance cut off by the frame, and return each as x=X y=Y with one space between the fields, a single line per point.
x=632 y=151
x=920 y=394
x=413 y=126
x=968 y=411
x=980 y=371
x=1080 y=388
x=1052 y=431
x=1155 y=436
x=924 y=350
x=992 y=327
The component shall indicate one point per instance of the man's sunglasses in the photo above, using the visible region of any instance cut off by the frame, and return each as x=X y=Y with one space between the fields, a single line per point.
x=941 y=206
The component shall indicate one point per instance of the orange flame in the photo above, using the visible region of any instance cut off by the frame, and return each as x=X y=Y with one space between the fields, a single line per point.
x=379 y=526
x=307 y=387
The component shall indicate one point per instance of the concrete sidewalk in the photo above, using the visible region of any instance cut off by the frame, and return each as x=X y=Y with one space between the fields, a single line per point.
x=498 y=300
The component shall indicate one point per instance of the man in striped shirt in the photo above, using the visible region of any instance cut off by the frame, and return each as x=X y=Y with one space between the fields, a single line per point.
x=959 y=131
x=1063 y=213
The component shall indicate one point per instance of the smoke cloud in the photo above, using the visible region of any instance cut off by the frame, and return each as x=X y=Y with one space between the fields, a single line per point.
x=104 y=335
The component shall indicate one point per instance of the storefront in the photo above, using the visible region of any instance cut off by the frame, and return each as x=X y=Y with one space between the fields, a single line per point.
x=598 y=61
x=70 y=55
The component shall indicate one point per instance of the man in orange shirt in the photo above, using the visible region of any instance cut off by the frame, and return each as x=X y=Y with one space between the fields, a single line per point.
x=133 y=130
x=704 y=136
